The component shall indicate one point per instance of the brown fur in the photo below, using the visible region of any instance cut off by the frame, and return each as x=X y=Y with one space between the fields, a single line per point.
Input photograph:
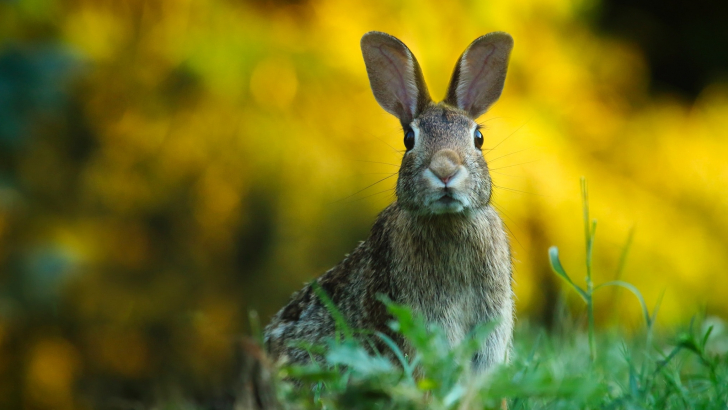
x=440 y=249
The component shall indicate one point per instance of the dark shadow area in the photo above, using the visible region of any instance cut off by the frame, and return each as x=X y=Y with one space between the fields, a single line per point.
x=685 y=42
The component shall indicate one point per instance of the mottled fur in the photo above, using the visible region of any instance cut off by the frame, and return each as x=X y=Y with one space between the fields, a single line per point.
x=440 y=249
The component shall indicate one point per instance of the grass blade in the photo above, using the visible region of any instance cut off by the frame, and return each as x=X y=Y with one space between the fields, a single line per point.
x=341 y=325
x=408 y=369
x=635 y=291
x=559 y=270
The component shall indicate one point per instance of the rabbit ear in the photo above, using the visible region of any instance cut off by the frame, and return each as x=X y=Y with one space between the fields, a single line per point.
x=480 y=73
x=395 y=76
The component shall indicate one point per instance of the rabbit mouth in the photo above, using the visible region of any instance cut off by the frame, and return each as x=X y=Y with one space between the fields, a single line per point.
x=446 y=204
x=447 y=199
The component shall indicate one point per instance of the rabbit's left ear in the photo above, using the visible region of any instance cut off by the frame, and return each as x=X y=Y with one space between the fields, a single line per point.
x=480 y=74
x=395 y=76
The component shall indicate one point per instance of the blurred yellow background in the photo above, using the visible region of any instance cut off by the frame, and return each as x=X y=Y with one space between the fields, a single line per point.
x=168 y=166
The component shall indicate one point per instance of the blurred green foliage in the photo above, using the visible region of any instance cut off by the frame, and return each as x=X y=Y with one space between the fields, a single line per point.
x=165 y=166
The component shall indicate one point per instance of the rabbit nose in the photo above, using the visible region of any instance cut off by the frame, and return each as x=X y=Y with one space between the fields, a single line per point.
x=445 y=164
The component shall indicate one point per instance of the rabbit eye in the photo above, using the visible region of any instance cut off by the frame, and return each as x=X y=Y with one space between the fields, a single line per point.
x=478 y=139
x=409 y=139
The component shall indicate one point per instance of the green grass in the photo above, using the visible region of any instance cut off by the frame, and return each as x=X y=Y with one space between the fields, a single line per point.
x=566 y=369
x=678 y=371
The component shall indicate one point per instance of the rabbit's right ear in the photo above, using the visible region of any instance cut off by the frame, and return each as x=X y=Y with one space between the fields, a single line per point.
x=480 y=74
x=395 y=76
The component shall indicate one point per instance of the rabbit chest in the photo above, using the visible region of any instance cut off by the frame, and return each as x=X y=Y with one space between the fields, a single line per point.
x=456 y=273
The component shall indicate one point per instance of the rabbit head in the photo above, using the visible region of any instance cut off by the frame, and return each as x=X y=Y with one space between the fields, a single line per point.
x=443 y=170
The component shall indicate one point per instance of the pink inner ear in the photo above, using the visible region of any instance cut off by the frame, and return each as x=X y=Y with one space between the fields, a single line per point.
x=473 y=75
x=397 y=80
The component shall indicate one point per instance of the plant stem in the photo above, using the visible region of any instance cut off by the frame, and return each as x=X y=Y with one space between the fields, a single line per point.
x=589 y=234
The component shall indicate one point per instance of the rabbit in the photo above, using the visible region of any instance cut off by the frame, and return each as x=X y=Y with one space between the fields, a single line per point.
x=440 y=249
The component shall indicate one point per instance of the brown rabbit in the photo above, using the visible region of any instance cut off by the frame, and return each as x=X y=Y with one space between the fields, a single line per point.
x=440 y=249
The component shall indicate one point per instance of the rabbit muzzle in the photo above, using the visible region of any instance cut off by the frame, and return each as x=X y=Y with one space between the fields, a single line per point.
x=445 y=177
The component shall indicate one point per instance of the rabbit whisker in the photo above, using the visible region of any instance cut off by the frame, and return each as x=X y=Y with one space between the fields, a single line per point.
x=365 y=188
x=387 y=144
x=369 y=196
x=377 y=162
x=500 y=210
x=509 y=135
x=507 y=175
x=503 y=156
x=517 y=190
x=514 y=165
x=482 y=123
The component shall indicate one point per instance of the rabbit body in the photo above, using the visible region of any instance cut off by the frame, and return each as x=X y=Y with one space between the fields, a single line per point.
x=441 y=248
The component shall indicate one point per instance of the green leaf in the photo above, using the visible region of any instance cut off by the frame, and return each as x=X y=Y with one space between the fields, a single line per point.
x=358 y=360
x=312 y=373
x=624 y=254
x=341 y=324
x=559 y=270
x=411 y=326
x=454 y=395
x=635 y=291
x=657 y=307
x=426 y=384
x=408 y=368
x=706 y=336
x=585 y=208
